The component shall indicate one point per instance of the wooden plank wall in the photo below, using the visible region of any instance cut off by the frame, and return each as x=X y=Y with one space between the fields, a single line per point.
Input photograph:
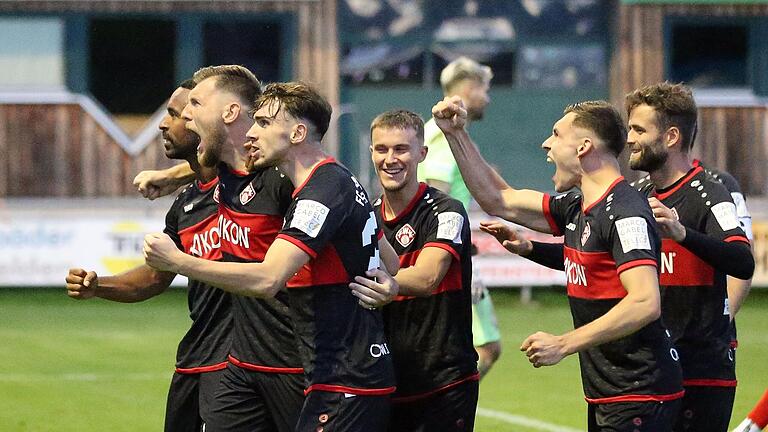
x=73 y=156
x=732 y=138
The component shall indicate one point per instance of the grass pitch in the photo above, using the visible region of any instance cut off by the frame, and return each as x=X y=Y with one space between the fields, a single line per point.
x=94 y=365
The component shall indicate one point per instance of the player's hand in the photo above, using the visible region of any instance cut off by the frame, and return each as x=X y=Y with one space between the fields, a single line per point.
x=81 y=285
x=508 y=237
x=154 y=184
x=667 y=221
x=376 y=290
x=161 y=253
x=544 y=349
x=450 y=114
x=252 y=154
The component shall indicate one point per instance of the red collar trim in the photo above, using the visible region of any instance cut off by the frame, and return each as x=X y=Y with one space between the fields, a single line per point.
x=204 y=187
x=610 y=188
x=415 y=200
x=326 y=161
x=696 y=162
x=678 y=184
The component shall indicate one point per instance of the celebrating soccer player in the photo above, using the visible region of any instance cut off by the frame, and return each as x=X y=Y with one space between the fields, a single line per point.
x=191 y=223
x=611 y=259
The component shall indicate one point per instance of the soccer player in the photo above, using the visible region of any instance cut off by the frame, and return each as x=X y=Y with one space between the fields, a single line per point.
x=329 y=236
x=429 y=324
x=470 y=81
x=630 y=373
x=757 y=419
x=191 y=223
x=703 y=243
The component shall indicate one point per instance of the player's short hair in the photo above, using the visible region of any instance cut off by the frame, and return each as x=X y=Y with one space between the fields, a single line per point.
x=233 y=78
x=188 y=84
x=461 y=69
x=604 y=120
x=674 y=105
x=299 y=100
x=400 y=119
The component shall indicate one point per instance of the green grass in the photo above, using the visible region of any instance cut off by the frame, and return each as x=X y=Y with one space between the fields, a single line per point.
x=96 y=366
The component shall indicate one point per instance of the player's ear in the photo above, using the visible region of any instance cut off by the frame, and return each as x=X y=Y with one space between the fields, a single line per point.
x=584 y=147
x=423 y=150
x=299 y=133
x=231 y=113
x=673 y=136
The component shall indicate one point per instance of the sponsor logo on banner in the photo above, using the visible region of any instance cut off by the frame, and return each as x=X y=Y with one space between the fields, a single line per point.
x=127 y=239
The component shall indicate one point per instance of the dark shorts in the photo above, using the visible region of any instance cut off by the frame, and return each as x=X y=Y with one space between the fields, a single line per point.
x=633 y=416
x=705 y=409
x=452 y=410
x=189 y=400
x=338 y=413
x=249 y=401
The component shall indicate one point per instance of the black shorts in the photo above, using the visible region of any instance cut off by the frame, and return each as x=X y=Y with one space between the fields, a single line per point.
x=249 y=401
x=633 y=416
x=189 y=399
x=705 y=409
x=338 y=413
x=452 y=410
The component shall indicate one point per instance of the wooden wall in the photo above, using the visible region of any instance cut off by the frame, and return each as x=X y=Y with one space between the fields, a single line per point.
x=730 y=138
x=73 y=156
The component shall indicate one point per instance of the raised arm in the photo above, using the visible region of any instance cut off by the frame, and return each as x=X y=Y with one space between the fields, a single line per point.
x=494 y=195
x=132 y=286
x=154 y=184
x=282 y=260
x=641 y=306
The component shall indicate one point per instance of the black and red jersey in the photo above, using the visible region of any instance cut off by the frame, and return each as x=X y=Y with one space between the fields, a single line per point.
x=192 y=224
x=612 y=235
x=251 y=209
x=431 y=337
x=342 y=344
x=694 y=294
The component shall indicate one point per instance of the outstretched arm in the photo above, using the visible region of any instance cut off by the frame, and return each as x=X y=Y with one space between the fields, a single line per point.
x=132 y=286
x=154 y=184
x=493 y=194
x=641 y=306
x=547 y=254
x=282 y=260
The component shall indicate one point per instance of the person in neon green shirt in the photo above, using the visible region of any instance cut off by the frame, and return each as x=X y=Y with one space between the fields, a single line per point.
x=471 y=81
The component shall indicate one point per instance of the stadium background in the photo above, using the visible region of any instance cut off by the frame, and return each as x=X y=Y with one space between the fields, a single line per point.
x=82 y=89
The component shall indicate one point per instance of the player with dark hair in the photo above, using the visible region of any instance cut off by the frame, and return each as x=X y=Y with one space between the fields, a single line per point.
x=703 y=243
x=611 y=259
x=429 y=325
x=329 y=236
x=191 y=223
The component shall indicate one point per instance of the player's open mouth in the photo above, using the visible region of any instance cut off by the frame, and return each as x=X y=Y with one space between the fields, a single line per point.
x=392 y=171
x=550 y=160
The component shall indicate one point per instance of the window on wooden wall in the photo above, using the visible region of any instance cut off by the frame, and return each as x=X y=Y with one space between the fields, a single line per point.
x=258 y=46
x=709 y=56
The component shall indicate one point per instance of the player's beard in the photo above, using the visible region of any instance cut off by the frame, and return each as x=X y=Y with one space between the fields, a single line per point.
x=651 y=157
x=212 y=150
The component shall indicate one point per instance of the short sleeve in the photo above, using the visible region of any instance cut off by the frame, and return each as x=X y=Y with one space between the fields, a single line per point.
x=448 y=229
x=172 y=220
x=722 y=221
x=556 y=209
x=633 y=240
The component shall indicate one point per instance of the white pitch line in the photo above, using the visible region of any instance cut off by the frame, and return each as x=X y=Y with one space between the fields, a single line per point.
x=39 y=377
x=523 y=421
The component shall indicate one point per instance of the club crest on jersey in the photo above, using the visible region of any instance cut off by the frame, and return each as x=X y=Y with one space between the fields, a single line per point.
x=247 y=194
x=405 y=235
x=585 y=234
x=216 y=194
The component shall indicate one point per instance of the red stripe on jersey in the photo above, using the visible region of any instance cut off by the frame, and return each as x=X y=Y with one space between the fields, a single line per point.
x=443 y=246
x=734 y=344
x=201 y=369
x=325 y=269
x=737 y=238
x=548 y=215
x=637 y=398
x=709 y=383
x=350 y=390
x=247 y=236
x=207 y=186
x=379 y=234
x=267 y=369
x=202 y=239
x=586 y=210
x=311 y=173
x=680 y=183
x=636 y=263
x=452 y=281
x=592 y=275
x=415 y=200
x=298 y=243
x=681 y=267
x=404 y=399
